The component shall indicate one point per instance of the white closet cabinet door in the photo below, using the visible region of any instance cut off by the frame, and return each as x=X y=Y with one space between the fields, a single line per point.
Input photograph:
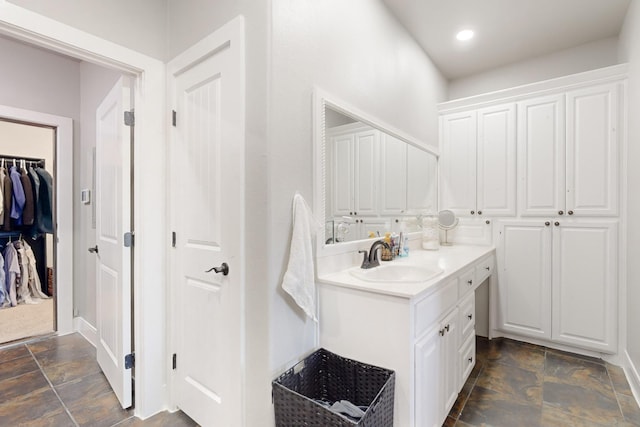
x=524 y=277
x=366 y=172
x=422 y=178
x=458 y=163
x=394 y=175
x=429 y=380
x=585 y=284
x=592 y=151
x=541 y=156
x=497 y=161
x=342 y=175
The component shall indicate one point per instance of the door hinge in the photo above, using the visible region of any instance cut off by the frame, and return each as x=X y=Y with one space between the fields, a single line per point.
x=129 y=118
x=173 y=239
x=128 y=239
x=174 y=118
x=174 y=362
x=130 y=361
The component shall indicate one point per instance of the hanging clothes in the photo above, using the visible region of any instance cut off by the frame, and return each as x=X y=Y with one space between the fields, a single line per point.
x=8 y=200
x=28 y=213
x=18 y=196
x=44 y=208
x=35 y=287
x=4 y=300
x=2 y=175
x=22 y=286
x=12 y=273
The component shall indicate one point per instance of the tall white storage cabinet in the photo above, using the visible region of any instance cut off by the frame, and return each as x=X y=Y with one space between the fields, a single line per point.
x=478 y=161
x=558 y=247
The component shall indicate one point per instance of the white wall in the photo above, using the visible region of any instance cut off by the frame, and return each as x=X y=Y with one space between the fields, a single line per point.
x=358 y=52
x=95 y=82
x=589 y=56
x=138 y=25
x=630 y=52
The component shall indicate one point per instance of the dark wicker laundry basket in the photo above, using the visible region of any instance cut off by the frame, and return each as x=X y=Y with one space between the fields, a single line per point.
x=328 y=377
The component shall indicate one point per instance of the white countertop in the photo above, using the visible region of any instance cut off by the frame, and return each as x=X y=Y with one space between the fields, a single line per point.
x=451 y=259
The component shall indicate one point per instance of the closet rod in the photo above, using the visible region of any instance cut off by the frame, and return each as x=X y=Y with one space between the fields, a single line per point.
x=9 y=159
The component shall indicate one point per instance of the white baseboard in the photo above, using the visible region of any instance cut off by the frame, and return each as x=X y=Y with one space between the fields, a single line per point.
x=633 y=378
x=86 y=329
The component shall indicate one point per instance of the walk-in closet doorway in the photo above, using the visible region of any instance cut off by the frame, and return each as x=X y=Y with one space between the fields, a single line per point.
x=27 y=232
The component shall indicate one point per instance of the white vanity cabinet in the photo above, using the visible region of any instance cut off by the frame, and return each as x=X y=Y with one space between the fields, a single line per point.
x=568 y=153
x=478 y=163
x=557 y=280
x=424 y=332
x=354 y=151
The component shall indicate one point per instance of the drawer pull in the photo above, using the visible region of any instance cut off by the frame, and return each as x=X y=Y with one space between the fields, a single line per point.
x=471 y=360
x=470 y=282
x=470 y=316
x=447 y=328
x=441 y=332
x=488 y=268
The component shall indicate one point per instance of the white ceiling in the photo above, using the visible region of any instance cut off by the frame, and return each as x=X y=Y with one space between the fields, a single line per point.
x=507 y=31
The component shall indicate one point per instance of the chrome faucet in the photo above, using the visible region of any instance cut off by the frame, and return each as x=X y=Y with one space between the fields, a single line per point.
x=370 y=259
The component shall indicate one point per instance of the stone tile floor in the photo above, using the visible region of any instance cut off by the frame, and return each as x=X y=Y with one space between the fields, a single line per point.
x=57 y=382
x=518 y=384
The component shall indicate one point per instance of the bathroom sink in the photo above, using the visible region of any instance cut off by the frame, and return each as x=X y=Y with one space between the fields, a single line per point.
x=396 y=273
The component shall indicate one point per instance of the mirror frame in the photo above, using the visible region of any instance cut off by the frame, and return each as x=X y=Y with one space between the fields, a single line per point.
x=321 y=100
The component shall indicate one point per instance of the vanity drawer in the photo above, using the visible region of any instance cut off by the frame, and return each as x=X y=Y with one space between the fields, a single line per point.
x=467 y=315
x=466 y=282
x=430 y=309
x=467 y=358
x=484 y=269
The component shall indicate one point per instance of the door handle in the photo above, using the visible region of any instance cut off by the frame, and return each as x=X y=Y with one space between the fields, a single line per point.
x=224 y=269
x=93 y=250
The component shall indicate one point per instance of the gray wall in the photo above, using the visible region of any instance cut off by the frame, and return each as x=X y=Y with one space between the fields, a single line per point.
x=589 y=56
x=630 y=52
x=138 y=25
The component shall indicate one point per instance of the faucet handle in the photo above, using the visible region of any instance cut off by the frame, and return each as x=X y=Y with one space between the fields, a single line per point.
x=365 y=258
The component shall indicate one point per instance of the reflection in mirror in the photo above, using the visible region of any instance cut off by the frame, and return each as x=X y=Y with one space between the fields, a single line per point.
x=375 y=183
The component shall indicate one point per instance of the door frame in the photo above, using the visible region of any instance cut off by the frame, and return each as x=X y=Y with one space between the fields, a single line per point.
x=63 y=163
x=231 y=33
x=149 y=280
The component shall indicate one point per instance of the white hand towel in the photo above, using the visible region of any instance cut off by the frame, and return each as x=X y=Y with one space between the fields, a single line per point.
x=299 y=279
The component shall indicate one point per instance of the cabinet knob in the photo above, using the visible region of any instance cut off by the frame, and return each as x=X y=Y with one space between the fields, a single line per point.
x=560 y=212
x=471 y=360
x=441 y=332
x=547 y=223
x=355 y=213
x=479 y=212
x=570 y=212
x=487 y=222
x=556 y=223
x=473 y=212
x=350 y=213
x=470 y=316
x=470 y=282
x=447 y=327
x=397 y=220
x=488 y=268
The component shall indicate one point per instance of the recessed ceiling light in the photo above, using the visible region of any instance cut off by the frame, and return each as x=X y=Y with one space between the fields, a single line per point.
x=465 y=35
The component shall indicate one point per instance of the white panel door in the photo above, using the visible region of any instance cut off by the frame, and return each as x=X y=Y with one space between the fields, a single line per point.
x=541 y=156
x=367 y=172
x=497 y=161
x=524 y=277
x=113 y=219
x=458 y=163
x=342 y=175
x=393 y=165
x=207 y=152
x=585 y=284
x=592 y=151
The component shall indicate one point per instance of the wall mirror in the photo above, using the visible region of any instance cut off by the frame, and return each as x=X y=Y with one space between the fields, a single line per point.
x=370 y=178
